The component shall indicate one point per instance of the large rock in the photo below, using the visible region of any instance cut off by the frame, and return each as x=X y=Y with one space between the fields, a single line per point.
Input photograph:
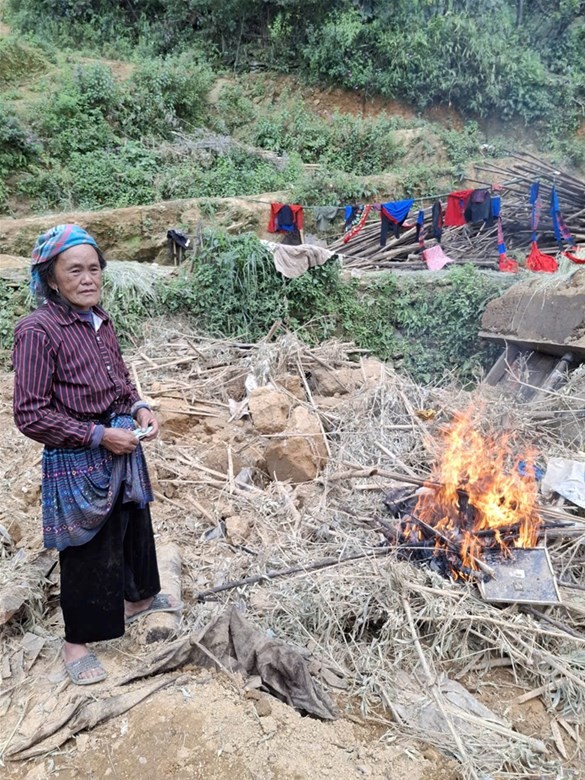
x=292 y=384
x=306 y=422
x=292 y=460
x=333 y=382
x=373 y=370
x=301 y=456
x=269 y=410
x=174 y=416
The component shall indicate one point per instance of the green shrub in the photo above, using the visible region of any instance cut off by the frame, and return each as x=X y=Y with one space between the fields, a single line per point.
x=440 y=324
x=223 y=175
x=341 y=142
x=165 y=94
x=233 y=108
x=330 y=188
x=234 y=289
x=13 y=305
x=18 y=148
x=19 y=61
x=76 y=116
x=17 y=145
x=115 y=178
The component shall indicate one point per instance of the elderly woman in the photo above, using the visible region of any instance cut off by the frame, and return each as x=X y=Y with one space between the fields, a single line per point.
x=72 y=393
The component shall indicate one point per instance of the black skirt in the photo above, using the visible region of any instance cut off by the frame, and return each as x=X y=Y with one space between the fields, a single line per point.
x=118 y=564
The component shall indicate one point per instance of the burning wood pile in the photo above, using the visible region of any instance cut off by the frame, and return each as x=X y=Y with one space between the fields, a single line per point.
x=471 y=504
x=478 y=244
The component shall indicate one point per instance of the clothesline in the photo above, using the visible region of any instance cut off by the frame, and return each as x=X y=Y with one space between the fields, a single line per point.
x=420 y=198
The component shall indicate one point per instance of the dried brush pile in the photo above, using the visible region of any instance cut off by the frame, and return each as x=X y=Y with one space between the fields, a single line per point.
x=381 y=629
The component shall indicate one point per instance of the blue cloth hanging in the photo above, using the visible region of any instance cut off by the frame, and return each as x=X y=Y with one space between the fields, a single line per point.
x=562 y=232
x=535 y=203
x=397 y=210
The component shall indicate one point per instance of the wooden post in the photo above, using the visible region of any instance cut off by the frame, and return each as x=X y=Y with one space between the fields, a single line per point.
x=164 y=625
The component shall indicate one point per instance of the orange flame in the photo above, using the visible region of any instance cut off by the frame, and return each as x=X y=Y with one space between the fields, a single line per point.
x=481 y=489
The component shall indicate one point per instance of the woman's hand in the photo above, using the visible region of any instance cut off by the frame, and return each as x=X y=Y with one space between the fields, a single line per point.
x=144 y=418
x=120 y=441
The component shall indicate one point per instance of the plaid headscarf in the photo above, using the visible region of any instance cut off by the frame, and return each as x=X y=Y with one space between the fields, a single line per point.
x=52 y=243
x=57 y=240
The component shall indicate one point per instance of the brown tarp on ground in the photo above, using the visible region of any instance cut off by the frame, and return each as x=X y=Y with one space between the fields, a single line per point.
x=233 y=643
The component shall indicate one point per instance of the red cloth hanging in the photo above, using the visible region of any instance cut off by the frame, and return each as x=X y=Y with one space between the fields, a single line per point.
x=574 y=258
x=507 y=265
x=355 y=228
x=455 y=211
x=538 y=261
x=297 y=212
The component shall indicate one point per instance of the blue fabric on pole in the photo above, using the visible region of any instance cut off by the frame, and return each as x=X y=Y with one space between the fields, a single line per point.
x=535 y=203
x=555 y=210
x=496 y=206
x=562 y=232
x=397 y=210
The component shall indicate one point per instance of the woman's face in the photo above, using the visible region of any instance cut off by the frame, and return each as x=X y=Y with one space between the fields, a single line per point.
x=77 y=276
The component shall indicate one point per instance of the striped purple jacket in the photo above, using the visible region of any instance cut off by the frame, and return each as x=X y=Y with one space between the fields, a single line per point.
x=67 y=373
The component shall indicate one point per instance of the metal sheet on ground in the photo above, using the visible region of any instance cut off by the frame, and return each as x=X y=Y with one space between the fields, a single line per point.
x=525 y=577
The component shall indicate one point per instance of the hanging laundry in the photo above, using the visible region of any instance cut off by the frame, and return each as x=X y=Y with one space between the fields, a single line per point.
x=294 y=261
x=355 y=219
x=574 y=258
x=420 y=228
x=437 y=220
x=285 y=218
x=562 y=232
x=393 y=215
x=479 y=207
x=537 y=260
x=435 y=258
x=507 y=265
x=324 y=216
x=455 y=211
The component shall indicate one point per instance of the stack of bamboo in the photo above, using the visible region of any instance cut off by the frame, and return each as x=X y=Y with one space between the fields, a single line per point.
x=478 y=244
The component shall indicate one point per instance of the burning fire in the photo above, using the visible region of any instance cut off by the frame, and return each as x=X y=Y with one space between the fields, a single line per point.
x=480 y=499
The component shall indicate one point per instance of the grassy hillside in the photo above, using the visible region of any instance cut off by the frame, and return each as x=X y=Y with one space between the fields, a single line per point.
x=505 y=57
x=82 y=131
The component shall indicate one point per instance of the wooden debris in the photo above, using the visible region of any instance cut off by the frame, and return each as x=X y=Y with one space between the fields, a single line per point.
x=159 y=626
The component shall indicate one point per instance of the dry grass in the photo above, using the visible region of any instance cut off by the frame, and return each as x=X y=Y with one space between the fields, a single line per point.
x=383 y=626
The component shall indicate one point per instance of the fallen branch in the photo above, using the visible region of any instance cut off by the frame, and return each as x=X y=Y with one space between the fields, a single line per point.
x=271 y=575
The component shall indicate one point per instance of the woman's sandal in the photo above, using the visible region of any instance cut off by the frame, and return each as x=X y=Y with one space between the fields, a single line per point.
x=160 y=603
x=86 y=663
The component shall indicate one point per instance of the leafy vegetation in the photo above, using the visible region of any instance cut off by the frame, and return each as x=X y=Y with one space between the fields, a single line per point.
x=505 y=56
x=440 y=327
x=19 y=61
x=235 y=291
x=232 y=289
x=341 y=141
